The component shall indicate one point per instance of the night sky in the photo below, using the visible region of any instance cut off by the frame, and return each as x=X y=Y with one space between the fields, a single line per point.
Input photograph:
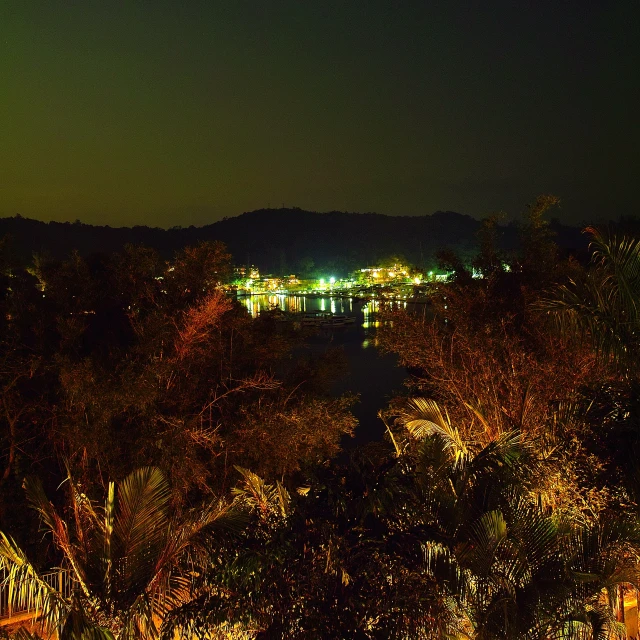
x=179 y=113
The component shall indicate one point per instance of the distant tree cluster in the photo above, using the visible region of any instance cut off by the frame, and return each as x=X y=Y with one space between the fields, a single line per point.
x=283 y=241
x=117 y=361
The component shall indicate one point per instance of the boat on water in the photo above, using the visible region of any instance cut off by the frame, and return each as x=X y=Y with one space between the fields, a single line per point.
x=276 y=313
x=332 y=323
x=315 y=319
x=326 y=320
x=345 y=319
x=337 y=321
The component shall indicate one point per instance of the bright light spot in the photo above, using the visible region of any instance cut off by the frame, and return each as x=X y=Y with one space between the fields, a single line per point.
x=416 y=280
x=321 y=281
x=332 y=280
x=431 y=274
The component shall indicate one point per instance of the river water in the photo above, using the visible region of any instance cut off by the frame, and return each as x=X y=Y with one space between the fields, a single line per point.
x=374 y=376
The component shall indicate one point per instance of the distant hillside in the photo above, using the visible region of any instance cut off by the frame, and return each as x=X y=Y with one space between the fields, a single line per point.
x=279 y=240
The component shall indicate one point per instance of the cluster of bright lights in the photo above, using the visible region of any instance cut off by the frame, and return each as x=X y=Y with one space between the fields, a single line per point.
x=396 y=275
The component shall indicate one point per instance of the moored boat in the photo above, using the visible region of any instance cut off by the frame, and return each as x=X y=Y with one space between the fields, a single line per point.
x=315 y=318
x=344 y=319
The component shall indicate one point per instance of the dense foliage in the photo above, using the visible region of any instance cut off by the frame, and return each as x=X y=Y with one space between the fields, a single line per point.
x=502 y=503
x=125 y=360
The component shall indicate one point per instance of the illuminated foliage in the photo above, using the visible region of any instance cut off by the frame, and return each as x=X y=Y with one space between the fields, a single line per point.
x=142 y=361
x=129 y=562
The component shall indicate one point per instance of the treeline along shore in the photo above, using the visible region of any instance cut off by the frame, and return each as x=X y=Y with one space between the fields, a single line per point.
x=282 y=240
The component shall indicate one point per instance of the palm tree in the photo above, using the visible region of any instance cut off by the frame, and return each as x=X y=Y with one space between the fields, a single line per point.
x=323 y=562
x=516 y=569
x=604 y=305
x=131 y=561
x=446 y=539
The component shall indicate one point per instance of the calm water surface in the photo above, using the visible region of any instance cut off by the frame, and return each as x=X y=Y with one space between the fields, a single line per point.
x=372 y=375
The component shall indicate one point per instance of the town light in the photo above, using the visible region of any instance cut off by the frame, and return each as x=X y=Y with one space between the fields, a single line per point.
x=332 y=280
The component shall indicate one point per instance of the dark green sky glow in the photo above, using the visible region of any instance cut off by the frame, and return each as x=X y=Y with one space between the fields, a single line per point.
x=164 y=113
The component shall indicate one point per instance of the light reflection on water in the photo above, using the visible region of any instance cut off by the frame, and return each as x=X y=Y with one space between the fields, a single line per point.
x=297 y=304
x=369 y=321
x=373 y=375
x=366 y=313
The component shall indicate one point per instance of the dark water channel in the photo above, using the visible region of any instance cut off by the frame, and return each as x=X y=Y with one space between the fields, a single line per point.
x=372 y=375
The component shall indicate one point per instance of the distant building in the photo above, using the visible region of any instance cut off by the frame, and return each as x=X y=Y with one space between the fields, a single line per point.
x=397 y=274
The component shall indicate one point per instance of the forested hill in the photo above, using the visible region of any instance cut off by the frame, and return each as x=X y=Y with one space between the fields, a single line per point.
x=278 y=240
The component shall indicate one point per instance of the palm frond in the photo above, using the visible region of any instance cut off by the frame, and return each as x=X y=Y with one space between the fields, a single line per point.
x=22 y=633
x=506 y=451
x=109 y=518
x=604 y=306
x=590 y=621
x=78 y=627
x=620 y=256
x=138 y=620
x=191 y=546
x=443 y=565
x=85 y=515
x=142 y=506
x=423 y=418
x=57 y=527
x=26 y=590
x=261 y=495
x=142 y=559
x=40 y=503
